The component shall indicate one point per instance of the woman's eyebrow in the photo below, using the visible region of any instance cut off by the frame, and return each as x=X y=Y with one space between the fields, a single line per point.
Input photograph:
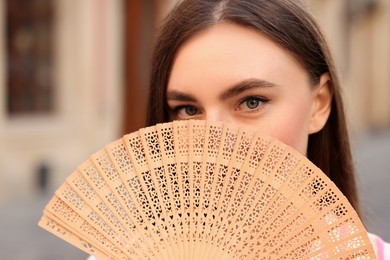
x=244 y=85
x=235 y=90
x=180 y=96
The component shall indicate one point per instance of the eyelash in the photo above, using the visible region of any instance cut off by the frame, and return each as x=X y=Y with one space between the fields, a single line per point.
x=261 y=101
x=176 y=110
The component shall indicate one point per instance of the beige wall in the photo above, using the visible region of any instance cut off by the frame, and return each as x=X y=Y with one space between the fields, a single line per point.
x=380 y=101
x=361 y=46
x=88 y=108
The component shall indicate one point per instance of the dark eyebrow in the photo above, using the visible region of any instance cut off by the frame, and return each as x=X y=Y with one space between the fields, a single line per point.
x=245 y=85
x=235 y=90
x=180 y=96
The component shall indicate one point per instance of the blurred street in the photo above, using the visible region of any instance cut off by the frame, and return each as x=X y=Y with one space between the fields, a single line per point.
x=372 y=160
x=22 y=239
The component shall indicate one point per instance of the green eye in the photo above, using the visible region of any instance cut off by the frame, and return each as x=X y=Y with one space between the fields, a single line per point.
x=184 y=112
x=191 y=111
x=252 y=103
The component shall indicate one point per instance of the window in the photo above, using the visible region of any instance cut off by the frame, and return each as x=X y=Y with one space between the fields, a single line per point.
x=29 y=54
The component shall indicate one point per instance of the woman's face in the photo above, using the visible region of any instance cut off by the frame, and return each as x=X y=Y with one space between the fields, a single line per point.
x=233 y=74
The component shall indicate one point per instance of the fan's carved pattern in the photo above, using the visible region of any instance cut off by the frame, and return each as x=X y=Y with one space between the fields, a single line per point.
x=204 y=190
x=63 y=212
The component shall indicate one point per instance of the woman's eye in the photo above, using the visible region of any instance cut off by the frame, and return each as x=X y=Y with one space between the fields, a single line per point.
x=191 y=111
x=251 y=103
x=186 y=111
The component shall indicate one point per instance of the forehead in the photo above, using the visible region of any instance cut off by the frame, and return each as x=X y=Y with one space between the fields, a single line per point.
x=232 y=52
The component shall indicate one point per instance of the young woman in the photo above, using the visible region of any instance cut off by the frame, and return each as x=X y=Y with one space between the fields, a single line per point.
x=272 y=63
x=261 y=63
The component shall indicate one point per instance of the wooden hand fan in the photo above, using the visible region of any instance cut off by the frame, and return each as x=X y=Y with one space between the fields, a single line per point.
x=204 y=190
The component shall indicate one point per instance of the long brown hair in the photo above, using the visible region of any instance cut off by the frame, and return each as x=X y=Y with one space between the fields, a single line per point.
x=288 y=24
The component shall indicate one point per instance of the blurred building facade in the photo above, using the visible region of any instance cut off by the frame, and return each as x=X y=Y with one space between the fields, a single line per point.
x=359 y=35
x=39 y=148
x=101 y=52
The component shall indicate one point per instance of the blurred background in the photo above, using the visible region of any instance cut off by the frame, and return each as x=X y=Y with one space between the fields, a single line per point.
x=74 y=76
